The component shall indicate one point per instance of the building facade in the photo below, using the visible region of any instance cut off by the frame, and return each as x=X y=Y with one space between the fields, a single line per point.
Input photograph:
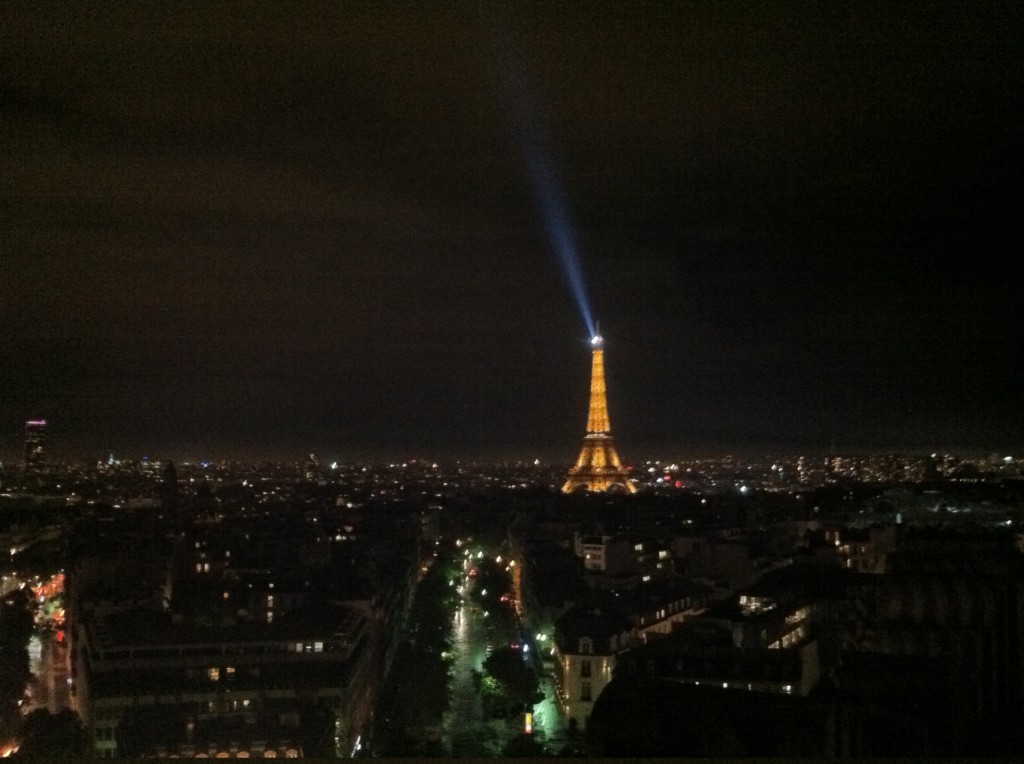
x=586 y=641
x=147 y=682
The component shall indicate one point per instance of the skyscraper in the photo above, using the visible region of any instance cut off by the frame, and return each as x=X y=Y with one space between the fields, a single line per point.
x=598 y=467
x=35 y=440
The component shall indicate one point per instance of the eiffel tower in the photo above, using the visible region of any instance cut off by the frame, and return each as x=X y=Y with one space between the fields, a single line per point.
x=598 y=467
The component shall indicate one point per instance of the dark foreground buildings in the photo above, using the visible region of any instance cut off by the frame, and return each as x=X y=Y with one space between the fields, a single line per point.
x=229 y=611
x=261 y=630
x=924 y=659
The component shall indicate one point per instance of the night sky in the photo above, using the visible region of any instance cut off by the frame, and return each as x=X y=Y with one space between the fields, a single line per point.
x=267 y=228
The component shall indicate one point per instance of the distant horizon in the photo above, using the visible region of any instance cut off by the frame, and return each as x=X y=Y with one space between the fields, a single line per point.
x=187 y=453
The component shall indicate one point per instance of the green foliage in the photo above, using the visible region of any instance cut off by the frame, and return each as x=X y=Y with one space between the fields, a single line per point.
x=417 y=687
x=524 y=746
x=16 y=620
x=517 y=680
x=492 y=688
x=53 y=735
x=492 y=583
x=17 y=617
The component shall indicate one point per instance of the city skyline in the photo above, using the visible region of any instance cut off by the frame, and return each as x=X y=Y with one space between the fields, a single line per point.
x=271 y=229
x=50 y=458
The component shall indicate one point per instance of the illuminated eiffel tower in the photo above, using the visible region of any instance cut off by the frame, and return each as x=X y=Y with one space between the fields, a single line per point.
x=598 y=467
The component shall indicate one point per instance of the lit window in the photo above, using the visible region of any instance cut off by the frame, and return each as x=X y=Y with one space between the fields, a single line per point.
x=318 y=647
x=213 y=674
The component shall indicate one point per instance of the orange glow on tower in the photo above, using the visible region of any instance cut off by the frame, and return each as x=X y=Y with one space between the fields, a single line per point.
x=598 y=467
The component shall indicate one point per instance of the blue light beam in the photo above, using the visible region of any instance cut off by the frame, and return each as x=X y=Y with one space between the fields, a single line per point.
x=544 y=184
x=559 y=230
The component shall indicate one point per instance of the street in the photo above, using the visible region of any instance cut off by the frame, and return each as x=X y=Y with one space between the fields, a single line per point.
x=456 y=708
x=49 y=688
x=466 y=730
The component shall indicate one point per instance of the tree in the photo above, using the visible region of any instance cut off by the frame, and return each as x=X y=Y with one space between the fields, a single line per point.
x=491 y=592
x=16 y=619
x=518 y=681
x=53 y=735
x=17 y=612
x=524 y=746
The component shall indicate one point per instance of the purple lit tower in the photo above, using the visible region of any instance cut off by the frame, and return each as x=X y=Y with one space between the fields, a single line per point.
x=35 y=441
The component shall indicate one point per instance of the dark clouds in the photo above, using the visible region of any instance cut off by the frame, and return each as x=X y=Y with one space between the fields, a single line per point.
x=273 y=226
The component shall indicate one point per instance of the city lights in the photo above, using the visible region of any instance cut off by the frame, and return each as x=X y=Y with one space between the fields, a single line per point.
x=300 y=311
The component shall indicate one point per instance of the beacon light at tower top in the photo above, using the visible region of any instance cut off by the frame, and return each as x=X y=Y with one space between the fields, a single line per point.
x=596 y=341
